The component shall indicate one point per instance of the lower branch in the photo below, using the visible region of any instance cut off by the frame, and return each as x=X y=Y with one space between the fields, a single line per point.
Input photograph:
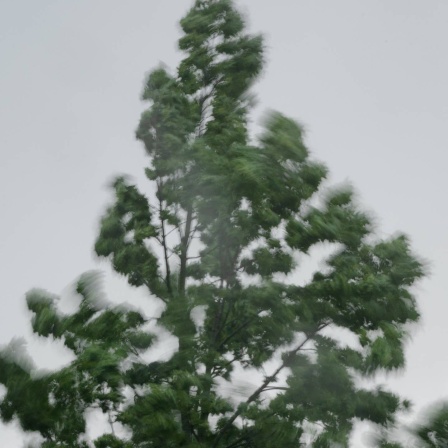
x=264 y=386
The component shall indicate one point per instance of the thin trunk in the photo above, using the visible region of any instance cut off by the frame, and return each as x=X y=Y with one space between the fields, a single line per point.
x=167 y=264
x=164 y=242
x=184 y=251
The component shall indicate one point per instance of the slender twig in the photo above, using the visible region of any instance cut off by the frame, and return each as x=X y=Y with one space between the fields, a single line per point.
x=153 y=207
x=234 y=332
x=204 y=252
x=224 y=366
x=172 y=252
x=276 y=388
x=173 y=229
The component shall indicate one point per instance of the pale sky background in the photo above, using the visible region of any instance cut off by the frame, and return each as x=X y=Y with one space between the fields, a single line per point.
x=368 y=79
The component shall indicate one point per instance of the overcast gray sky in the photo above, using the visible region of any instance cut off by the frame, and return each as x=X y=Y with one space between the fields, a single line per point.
x=368 y=79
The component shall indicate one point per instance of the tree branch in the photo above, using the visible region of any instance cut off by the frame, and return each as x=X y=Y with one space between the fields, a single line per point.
x=234 y=332
x=164 y=243
x=266 y=382
x=184 y=251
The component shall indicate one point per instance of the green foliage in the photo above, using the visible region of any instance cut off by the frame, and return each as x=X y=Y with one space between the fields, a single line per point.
x=231 y=219
x=434 y=432
x=430 y=432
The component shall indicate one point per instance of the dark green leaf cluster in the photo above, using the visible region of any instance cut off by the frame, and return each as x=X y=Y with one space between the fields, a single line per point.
x=124 y=229
x=434 y=432
x=100 y=337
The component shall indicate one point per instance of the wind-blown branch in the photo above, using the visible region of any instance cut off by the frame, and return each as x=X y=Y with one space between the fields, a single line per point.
x=268 y=380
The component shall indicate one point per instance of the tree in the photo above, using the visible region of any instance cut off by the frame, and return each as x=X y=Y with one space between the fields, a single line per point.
x=225 y=233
